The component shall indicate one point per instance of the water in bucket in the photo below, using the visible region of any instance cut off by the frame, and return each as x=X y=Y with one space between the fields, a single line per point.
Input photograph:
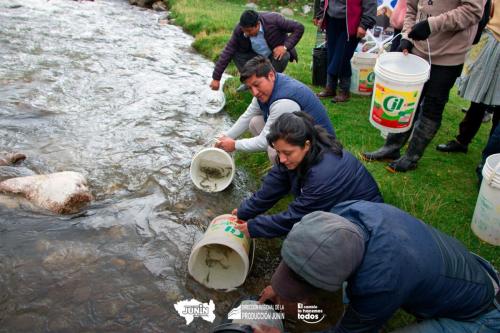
x=486 y=219
x=220 y=260
x=212 y=169
x=399 y=80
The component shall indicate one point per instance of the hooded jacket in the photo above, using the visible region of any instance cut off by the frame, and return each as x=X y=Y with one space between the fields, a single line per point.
x=406 y=264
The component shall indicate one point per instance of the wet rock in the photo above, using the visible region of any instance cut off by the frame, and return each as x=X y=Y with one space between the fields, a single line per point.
x=62 y=192
x=60 y=323
x=118 y=262
x=69 y=256
x=7 y=158
x=142 y=3
x=286 y=12
x=160 y=6
x=116 y=232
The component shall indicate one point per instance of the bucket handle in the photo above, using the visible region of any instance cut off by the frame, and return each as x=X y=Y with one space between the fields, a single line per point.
x=496 y=171
x=380 y=45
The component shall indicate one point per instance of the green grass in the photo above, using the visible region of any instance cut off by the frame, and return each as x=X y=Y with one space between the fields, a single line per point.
x=442 y=191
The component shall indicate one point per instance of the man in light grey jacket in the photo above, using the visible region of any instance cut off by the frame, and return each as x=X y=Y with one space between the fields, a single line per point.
x=274 y=94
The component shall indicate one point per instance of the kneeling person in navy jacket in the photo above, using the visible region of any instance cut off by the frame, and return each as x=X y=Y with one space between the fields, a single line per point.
x=310 y=164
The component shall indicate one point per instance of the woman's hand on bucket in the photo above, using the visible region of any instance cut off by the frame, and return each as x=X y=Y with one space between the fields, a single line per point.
x=243 y=227
x=266 y=294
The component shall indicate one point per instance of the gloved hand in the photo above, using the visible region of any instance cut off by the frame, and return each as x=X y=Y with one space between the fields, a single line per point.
x=405 y=44
x=420 y=31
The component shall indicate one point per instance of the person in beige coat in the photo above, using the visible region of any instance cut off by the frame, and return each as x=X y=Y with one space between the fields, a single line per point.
x=440 y=32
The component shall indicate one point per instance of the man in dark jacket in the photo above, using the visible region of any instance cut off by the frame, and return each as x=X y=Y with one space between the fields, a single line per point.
x=390 y=260
x=267 y=34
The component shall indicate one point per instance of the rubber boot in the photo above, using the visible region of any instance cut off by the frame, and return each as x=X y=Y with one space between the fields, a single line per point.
x=390 y=150
x=423 y=133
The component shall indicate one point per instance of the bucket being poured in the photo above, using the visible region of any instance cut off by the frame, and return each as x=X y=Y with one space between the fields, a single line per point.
x=486 y=218
x=399 y=80
x=362 y=78
x=220 y=260
x=212 y=169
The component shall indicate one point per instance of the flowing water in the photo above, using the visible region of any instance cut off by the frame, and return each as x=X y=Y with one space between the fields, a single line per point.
x=108 y=90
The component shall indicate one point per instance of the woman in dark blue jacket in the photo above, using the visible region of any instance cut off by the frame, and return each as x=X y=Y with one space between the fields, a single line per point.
x=310 y=164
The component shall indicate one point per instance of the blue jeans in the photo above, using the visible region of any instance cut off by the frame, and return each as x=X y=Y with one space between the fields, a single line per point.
x=488 y=322
x=340 y=50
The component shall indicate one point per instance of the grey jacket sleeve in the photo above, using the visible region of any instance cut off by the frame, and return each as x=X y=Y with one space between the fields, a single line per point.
x=369 y=13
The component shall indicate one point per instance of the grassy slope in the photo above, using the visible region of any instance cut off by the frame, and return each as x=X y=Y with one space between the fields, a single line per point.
x=442 y=191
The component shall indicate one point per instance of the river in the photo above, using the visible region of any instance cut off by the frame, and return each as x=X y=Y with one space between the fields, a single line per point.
x=108 y=90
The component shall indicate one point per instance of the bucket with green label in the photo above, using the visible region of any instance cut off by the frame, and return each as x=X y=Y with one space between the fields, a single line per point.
x=399 y=80
x=221 y=258
x=363 y=76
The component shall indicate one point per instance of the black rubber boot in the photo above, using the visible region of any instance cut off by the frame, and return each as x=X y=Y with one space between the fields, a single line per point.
x=422 y=136
x=390 y=150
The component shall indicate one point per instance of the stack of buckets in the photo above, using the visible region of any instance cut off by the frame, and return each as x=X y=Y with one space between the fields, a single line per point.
x=486 y=219
x=399 y=80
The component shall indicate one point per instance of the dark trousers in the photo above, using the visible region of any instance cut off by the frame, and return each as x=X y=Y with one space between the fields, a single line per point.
x=240 y=59
x=429 y=115
x=472 y=121
x=340 y=49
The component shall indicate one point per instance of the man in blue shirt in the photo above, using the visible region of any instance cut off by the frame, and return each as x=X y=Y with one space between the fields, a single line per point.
x=390 y=260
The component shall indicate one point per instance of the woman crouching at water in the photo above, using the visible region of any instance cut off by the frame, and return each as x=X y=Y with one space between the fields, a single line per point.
x=310 y=164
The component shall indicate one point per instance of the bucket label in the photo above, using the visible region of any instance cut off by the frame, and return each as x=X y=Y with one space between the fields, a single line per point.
x=365 y=80
x=393 y=108
x=225 y=225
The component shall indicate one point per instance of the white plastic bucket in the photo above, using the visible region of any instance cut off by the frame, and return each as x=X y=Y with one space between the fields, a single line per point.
x=362 y=78
x=399 y=80
x=486 y=219
x=220 y=260
x=213 y=101
x=212 y=169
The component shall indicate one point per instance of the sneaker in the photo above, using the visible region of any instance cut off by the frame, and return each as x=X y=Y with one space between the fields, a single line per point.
x=452 y=146
x=242 y=88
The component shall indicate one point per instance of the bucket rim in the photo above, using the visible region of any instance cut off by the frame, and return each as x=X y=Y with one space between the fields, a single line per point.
x=217 y=150
x=389 y=55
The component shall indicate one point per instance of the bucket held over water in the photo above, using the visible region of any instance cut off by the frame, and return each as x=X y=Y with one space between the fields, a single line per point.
x=486 y=218
x=399 y=80
x=212 y=169
x=220 y=260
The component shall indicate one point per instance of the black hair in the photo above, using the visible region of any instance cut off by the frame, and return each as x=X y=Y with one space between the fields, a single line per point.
x=259 y=66
x=249 y=18
x=296 y=128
